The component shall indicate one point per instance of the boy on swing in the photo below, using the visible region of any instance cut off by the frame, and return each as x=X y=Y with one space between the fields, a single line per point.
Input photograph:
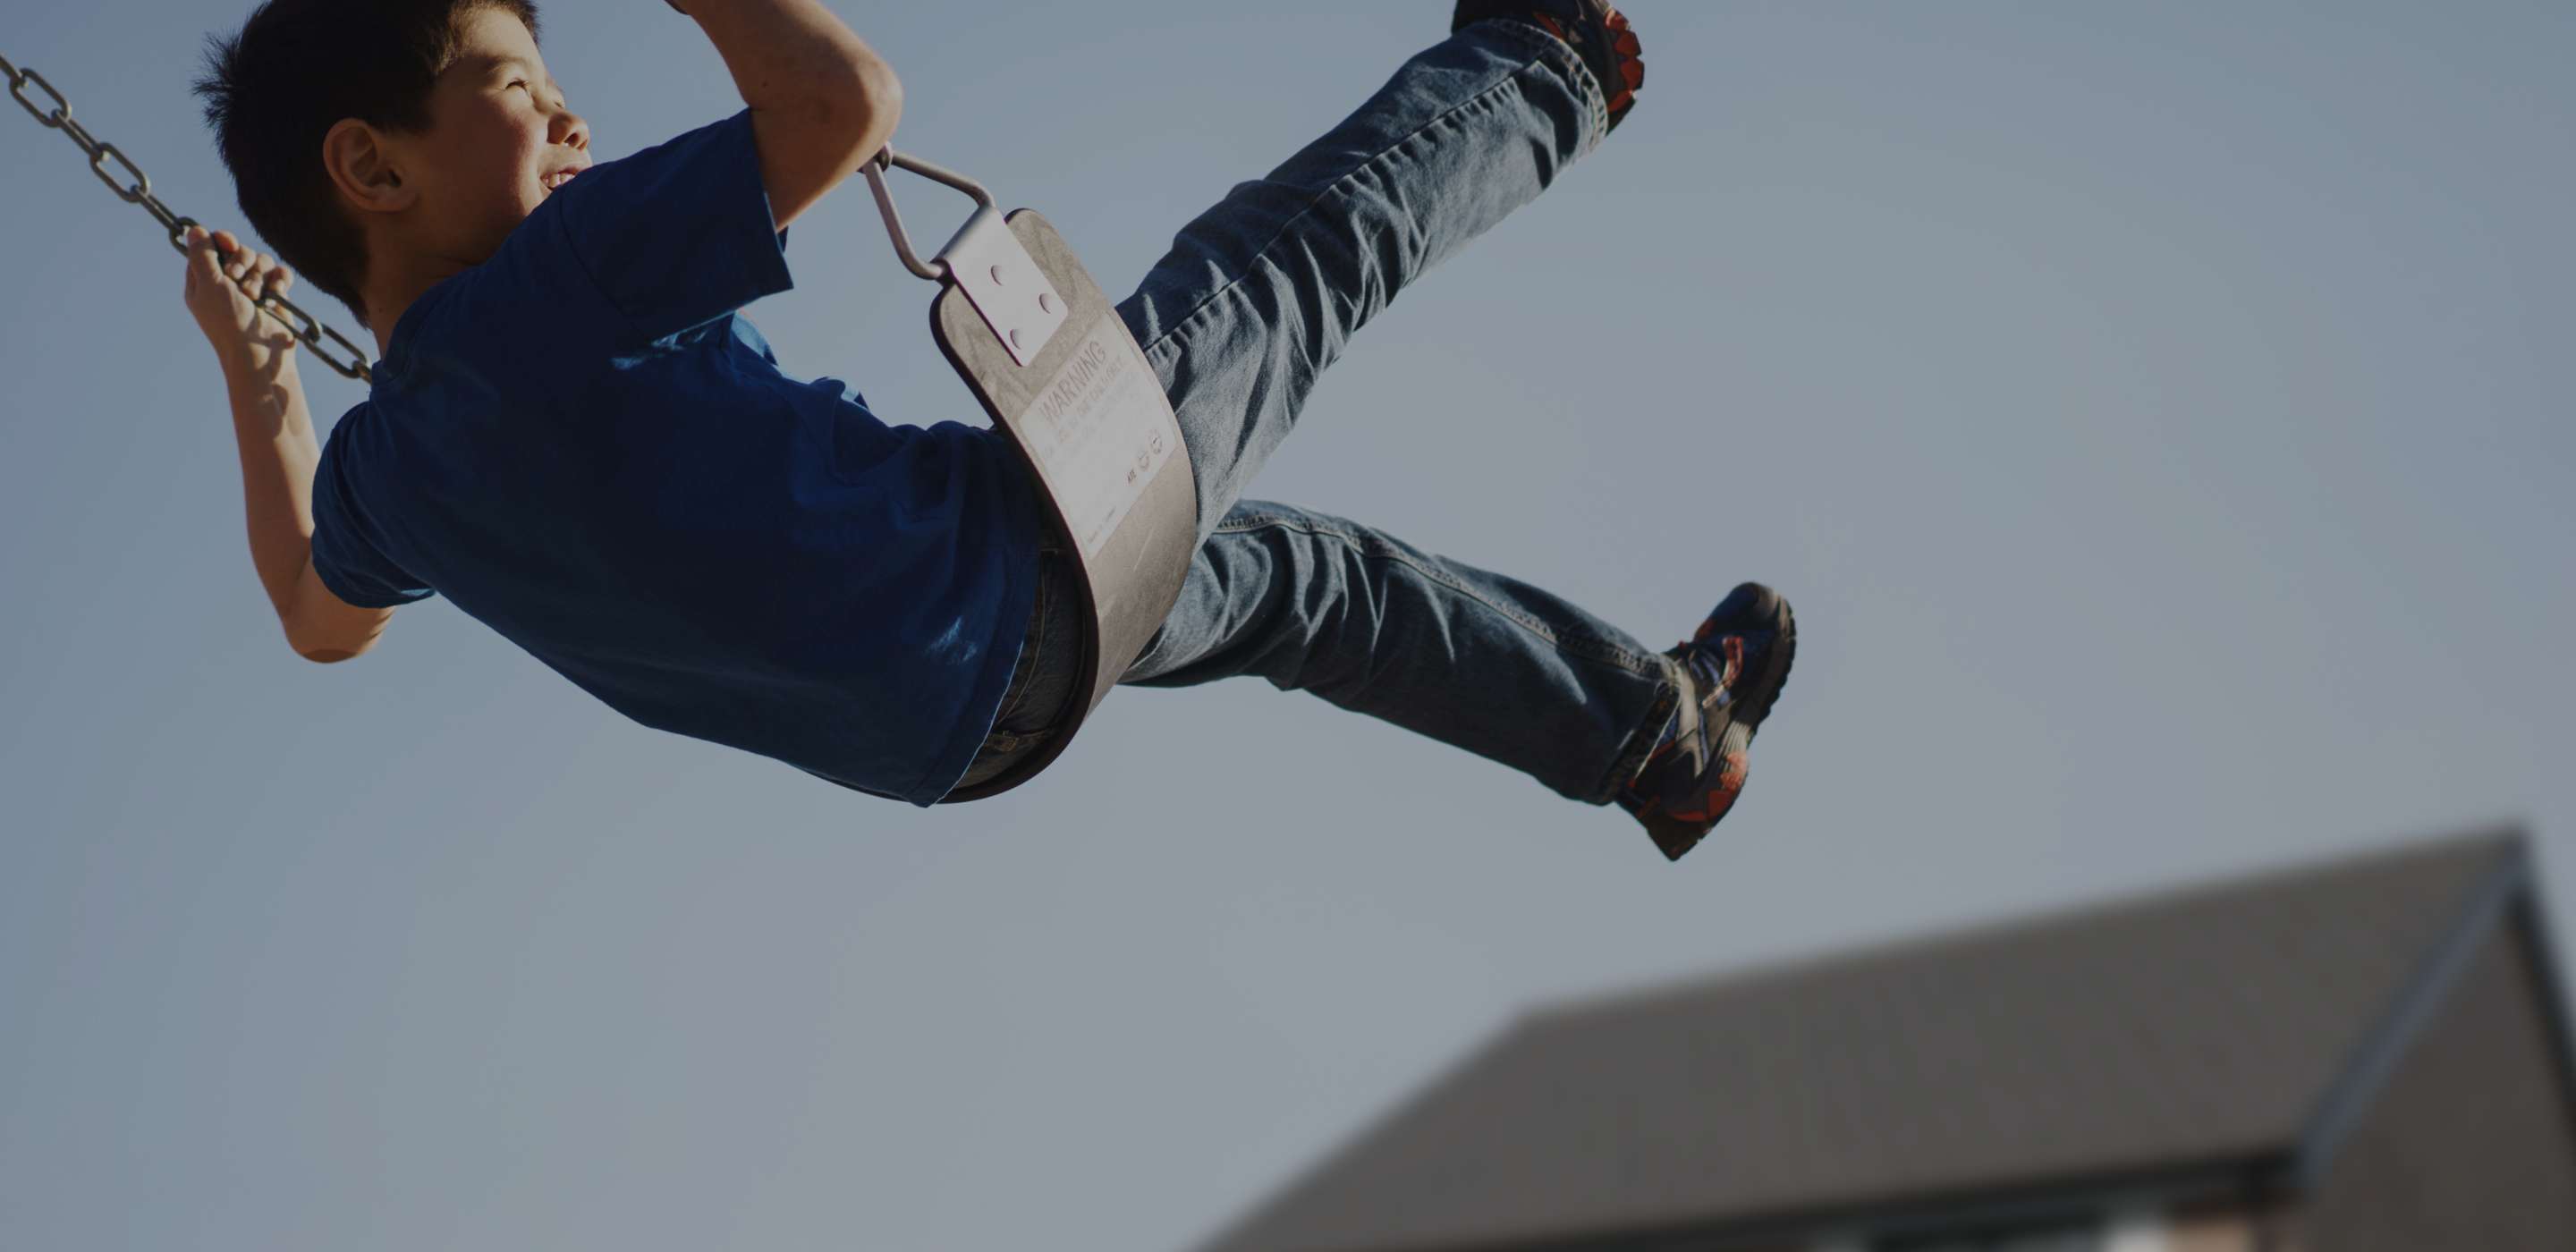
x=575 y=436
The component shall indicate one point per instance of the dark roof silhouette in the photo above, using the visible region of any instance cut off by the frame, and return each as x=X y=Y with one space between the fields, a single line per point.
x=2212 y=1028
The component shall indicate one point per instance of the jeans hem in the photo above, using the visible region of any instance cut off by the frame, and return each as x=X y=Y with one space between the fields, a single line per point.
x=1641 y=741
x=1596 y=99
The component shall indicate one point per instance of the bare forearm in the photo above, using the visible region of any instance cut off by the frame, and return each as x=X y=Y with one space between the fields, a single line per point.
x=792 y=54
x=278 y=453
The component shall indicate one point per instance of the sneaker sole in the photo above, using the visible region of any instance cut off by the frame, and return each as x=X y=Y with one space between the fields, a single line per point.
x=1774 y=678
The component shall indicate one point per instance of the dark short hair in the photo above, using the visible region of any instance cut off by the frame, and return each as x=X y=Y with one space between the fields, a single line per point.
x=296 y=69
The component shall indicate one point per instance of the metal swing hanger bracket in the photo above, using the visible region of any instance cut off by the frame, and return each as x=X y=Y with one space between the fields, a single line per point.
x=985 y=260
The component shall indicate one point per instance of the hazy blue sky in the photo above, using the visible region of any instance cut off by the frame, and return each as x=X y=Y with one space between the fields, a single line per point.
x=2159 y=415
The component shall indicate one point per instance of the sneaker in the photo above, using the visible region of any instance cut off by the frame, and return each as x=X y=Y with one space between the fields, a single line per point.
x=1737 y=664
x=1598 y=33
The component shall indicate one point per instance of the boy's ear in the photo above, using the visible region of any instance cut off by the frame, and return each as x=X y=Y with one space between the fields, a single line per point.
x=363 y=170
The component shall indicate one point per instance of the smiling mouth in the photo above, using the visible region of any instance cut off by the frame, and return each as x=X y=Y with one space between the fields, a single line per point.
x=557 y=179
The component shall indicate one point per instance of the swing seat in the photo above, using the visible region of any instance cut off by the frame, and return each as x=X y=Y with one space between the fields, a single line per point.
x=1045 y=351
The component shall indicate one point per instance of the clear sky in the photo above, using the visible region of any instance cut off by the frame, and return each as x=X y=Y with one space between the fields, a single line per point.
x=2159 y=415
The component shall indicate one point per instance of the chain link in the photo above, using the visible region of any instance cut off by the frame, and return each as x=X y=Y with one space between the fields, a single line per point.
x=327 y=345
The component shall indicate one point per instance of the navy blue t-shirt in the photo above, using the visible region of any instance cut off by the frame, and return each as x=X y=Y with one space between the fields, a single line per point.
x=581 y=444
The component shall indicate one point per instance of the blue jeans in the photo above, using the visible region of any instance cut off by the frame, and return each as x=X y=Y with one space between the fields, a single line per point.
x=1255 y=299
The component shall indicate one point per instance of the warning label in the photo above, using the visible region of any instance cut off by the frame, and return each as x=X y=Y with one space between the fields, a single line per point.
x=1100 y=433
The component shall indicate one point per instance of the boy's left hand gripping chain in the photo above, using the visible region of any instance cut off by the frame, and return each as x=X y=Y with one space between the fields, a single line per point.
x=329 y=346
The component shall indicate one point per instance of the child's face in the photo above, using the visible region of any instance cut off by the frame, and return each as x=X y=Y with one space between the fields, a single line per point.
x=500 y=140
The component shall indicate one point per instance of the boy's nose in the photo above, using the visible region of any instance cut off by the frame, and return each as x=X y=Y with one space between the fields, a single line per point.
x=570 y=128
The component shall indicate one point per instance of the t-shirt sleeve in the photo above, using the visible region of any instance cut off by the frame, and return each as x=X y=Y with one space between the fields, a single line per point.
x=678 y=235
x=347 y=554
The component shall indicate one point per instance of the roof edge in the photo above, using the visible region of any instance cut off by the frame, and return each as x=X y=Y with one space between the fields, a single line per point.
x=2549 y=972
x=2511 y=836
x=2253 y=1177
x=2375 y=1061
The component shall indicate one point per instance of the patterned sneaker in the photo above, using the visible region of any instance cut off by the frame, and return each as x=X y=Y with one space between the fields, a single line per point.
x=1597 y=33
x=1738 y=662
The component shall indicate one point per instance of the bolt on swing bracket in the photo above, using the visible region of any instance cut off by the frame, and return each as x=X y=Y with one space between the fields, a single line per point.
x=984 y=260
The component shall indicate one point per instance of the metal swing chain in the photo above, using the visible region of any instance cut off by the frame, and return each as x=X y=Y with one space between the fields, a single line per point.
x=350 y=361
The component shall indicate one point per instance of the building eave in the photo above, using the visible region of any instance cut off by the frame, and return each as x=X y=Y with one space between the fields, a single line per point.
x=2253 y=1178
x=2508 y=888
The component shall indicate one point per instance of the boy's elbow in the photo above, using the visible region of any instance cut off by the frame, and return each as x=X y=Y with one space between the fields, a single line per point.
x=330 y=647
x=888 y=95
x=885 y=91
x=328 y=651
x=869 y=103
x=323 y=628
